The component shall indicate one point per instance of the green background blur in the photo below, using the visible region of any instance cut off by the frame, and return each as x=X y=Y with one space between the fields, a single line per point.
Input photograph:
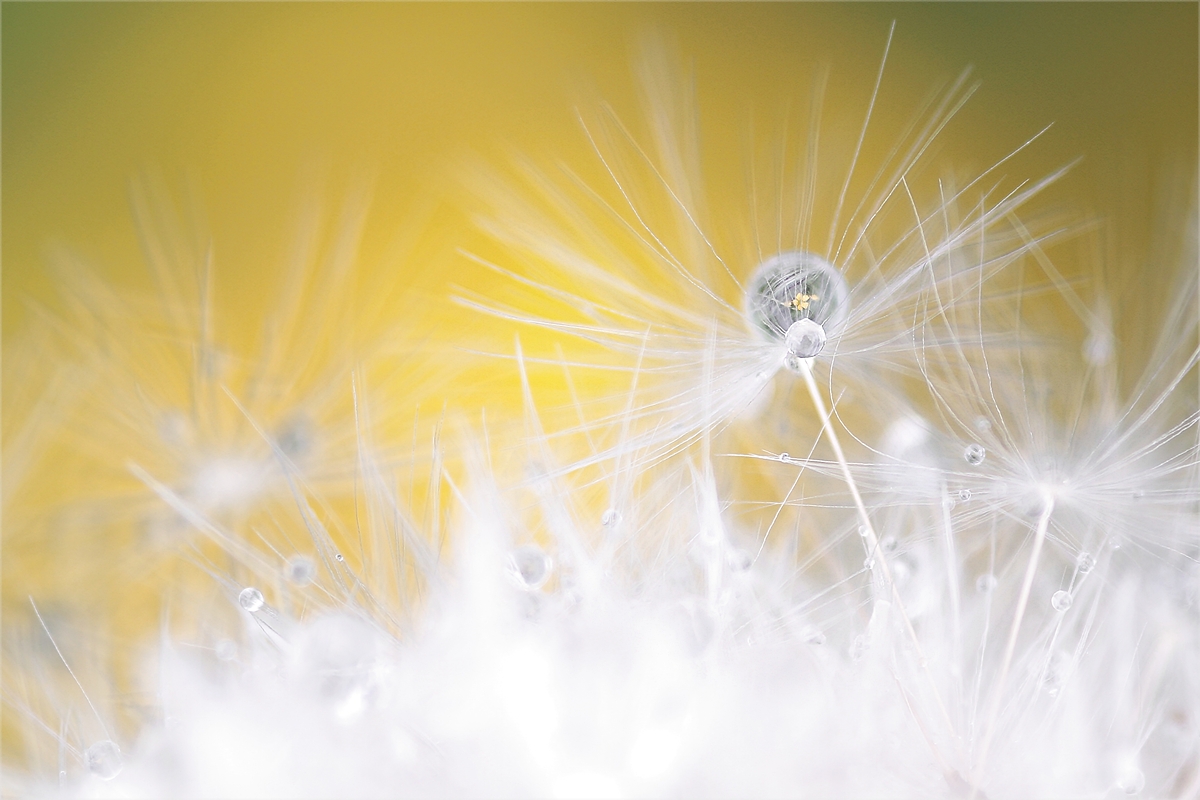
x=245 y=103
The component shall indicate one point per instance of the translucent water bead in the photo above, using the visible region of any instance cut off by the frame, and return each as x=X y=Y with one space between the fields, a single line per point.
x=974 y=454
x=1131 y=780
x=250 y=599
x=1061 y=600
x=300 y=570
x=805 y=338
x=792 y=286
x=529 y=567
x=104 y=759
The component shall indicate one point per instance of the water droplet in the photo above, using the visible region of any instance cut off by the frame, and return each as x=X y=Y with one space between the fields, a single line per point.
x=1131 y=780
x=250 y=599
x=985 y=583
x=1061 y=600
x=300 y=570
x=739 y=560
x=1098 y=348
x=785 y=458
x=295 y=437
x=964 y=495
x=1085 y=562
x=888 y=543
x=983 y=424
x=858 y=648
x=611 y=518
x=699 y=626
x=974 y=454
x=812 y=635
x=862 y=531
x=805 y=338
x=340 y=557
x=104 y=759
x=794 y=286
x=869 y=562
x=529 y=567
x=793 y=363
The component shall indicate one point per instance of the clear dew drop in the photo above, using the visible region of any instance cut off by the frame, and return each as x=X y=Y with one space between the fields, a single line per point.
x=529 y=567
x=964 y=495
x=300 y=570
x=1085 y=562
x=104 y=759
x=794 y=286
x=858 y=648
x=1098 y=348
x=784 y=458
x=888 y=543
x=250 y=599
x=862 y=531
x=974 y=454
x=611 y=518
x=1061 y=600
x=739 y=560
x=1131 y=780
x=805 y=338
x=793 y=363
x=340 y=557
x=985 y=583
x=226 y=650
x=812 y=635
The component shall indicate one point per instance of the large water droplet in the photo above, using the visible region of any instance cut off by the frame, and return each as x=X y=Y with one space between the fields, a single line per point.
x=250 y=599
x=792 y=286
x=529 y=567
x=985 y=583
x=974 y=454
x=104 y=759
x=611 y=518
x=805 y=339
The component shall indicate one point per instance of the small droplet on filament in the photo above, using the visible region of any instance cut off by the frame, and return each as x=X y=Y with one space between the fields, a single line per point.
x=1061 y=600
x=974 y=454
x=250 y=599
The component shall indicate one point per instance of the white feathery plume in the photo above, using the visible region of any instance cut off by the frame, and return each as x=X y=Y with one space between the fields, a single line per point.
x=699 y=589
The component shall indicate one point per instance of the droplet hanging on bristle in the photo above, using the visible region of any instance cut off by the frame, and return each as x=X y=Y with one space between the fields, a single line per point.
x=794 y=286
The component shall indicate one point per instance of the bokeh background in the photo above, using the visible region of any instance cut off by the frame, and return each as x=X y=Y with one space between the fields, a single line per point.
x=243 y=113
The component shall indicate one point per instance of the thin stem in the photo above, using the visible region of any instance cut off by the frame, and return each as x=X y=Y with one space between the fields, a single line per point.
x=1010 y=648
x=872 y=540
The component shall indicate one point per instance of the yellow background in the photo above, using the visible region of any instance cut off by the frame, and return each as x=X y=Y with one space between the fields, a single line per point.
x=248 y=107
